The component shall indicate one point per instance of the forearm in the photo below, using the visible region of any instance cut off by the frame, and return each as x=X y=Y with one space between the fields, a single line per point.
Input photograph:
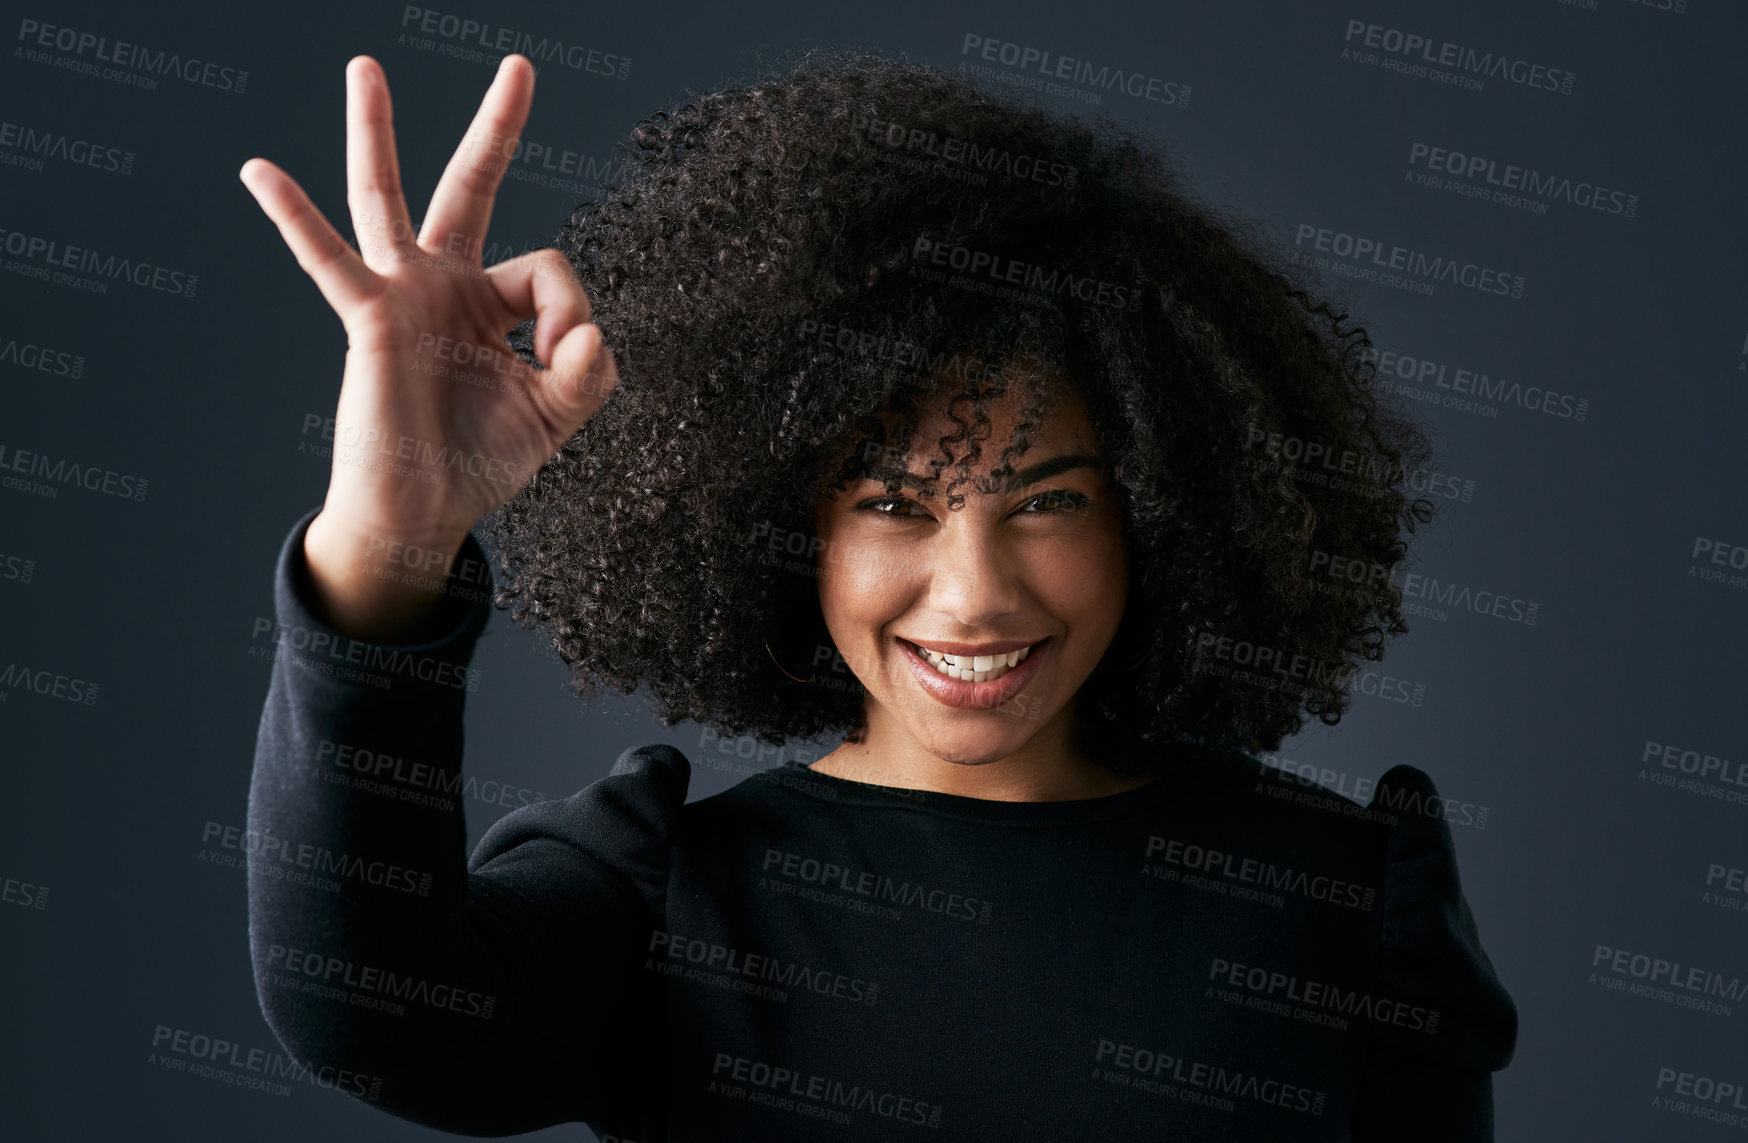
x=373 y=948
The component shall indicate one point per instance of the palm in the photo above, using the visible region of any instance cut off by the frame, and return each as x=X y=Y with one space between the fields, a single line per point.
x=478 y=431
x=438 y=423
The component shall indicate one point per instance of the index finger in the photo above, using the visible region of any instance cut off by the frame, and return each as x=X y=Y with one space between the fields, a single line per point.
x=339 y=273
x=461 y=206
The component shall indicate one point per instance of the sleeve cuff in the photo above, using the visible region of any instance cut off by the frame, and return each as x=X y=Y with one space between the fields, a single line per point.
x=305 y=636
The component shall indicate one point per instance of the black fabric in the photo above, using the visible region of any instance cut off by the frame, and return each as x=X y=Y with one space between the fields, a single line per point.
x=807 y=957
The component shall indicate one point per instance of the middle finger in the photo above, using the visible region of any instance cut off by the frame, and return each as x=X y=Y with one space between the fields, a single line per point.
x=373 y=173
x=461 y=207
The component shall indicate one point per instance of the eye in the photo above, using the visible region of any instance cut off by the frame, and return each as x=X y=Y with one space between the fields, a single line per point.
x=1056 y=500
x=889 y=505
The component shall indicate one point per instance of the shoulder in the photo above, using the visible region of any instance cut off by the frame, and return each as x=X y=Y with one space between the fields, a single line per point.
x=627 y=820
x=1431 y=958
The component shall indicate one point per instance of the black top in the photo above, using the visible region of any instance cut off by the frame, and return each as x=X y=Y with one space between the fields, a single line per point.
x=1220 y=954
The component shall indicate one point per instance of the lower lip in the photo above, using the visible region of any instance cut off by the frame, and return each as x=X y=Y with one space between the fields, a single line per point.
x=963 y=695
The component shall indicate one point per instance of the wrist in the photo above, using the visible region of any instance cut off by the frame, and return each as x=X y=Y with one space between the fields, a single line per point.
x=378 y=585
x=343 y=541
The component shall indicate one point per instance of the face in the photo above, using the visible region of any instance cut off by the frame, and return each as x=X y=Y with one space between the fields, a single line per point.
x=1035 y=569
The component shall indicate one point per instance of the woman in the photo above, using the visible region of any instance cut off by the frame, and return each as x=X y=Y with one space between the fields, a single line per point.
x=949 y=427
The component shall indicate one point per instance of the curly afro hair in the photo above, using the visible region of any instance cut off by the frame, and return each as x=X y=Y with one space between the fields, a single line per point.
x=790 y=269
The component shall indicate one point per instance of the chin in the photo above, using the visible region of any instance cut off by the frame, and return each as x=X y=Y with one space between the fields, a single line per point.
x=972 y=745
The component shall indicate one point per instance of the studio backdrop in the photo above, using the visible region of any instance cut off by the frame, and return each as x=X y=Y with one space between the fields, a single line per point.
x=1535 y=206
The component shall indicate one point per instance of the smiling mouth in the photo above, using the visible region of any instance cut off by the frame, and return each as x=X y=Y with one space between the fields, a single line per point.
x=973 y=668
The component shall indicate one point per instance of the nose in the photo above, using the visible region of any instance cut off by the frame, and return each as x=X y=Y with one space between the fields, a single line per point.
x=974 y=576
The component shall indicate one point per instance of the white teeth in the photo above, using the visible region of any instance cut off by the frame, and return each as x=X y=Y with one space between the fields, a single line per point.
x=974 y=668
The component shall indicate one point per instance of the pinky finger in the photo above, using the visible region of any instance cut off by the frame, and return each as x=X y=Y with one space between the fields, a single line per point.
x=339 y=273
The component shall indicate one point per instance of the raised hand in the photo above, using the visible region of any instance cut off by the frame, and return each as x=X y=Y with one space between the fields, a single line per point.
x=438 y=421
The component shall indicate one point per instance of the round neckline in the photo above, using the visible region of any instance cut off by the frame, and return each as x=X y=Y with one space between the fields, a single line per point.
x=853 y=792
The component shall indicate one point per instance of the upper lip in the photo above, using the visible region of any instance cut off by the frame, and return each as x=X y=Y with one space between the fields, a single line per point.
x=947 y=647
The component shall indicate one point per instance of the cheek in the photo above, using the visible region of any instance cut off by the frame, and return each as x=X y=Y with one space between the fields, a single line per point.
x=1084 y=578
x=861 y=587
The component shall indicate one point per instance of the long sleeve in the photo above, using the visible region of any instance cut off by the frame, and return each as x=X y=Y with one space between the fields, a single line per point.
x=485 y=997
x=1428 y=1076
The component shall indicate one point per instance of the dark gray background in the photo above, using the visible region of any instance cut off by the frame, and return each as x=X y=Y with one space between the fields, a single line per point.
x=1544 y=725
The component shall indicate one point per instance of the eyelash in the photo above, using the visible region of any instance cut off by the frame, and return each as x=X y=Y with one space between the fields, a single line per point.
x=1065 y=499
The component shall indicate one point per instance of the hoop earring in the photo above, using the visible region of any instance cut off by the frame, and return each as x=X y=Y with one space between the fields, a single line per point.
x=1132 y=666
x=780 y=666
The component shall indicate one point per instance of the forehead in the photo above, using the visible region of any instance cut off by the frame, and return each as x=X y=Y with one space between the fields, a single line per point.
x=1062 y=426
x=1048 y=454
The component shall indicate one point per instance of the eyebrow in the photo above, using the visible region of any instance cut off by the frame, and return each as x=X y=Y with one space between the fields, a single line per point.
x=1052 y=467
x=1043 y=470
